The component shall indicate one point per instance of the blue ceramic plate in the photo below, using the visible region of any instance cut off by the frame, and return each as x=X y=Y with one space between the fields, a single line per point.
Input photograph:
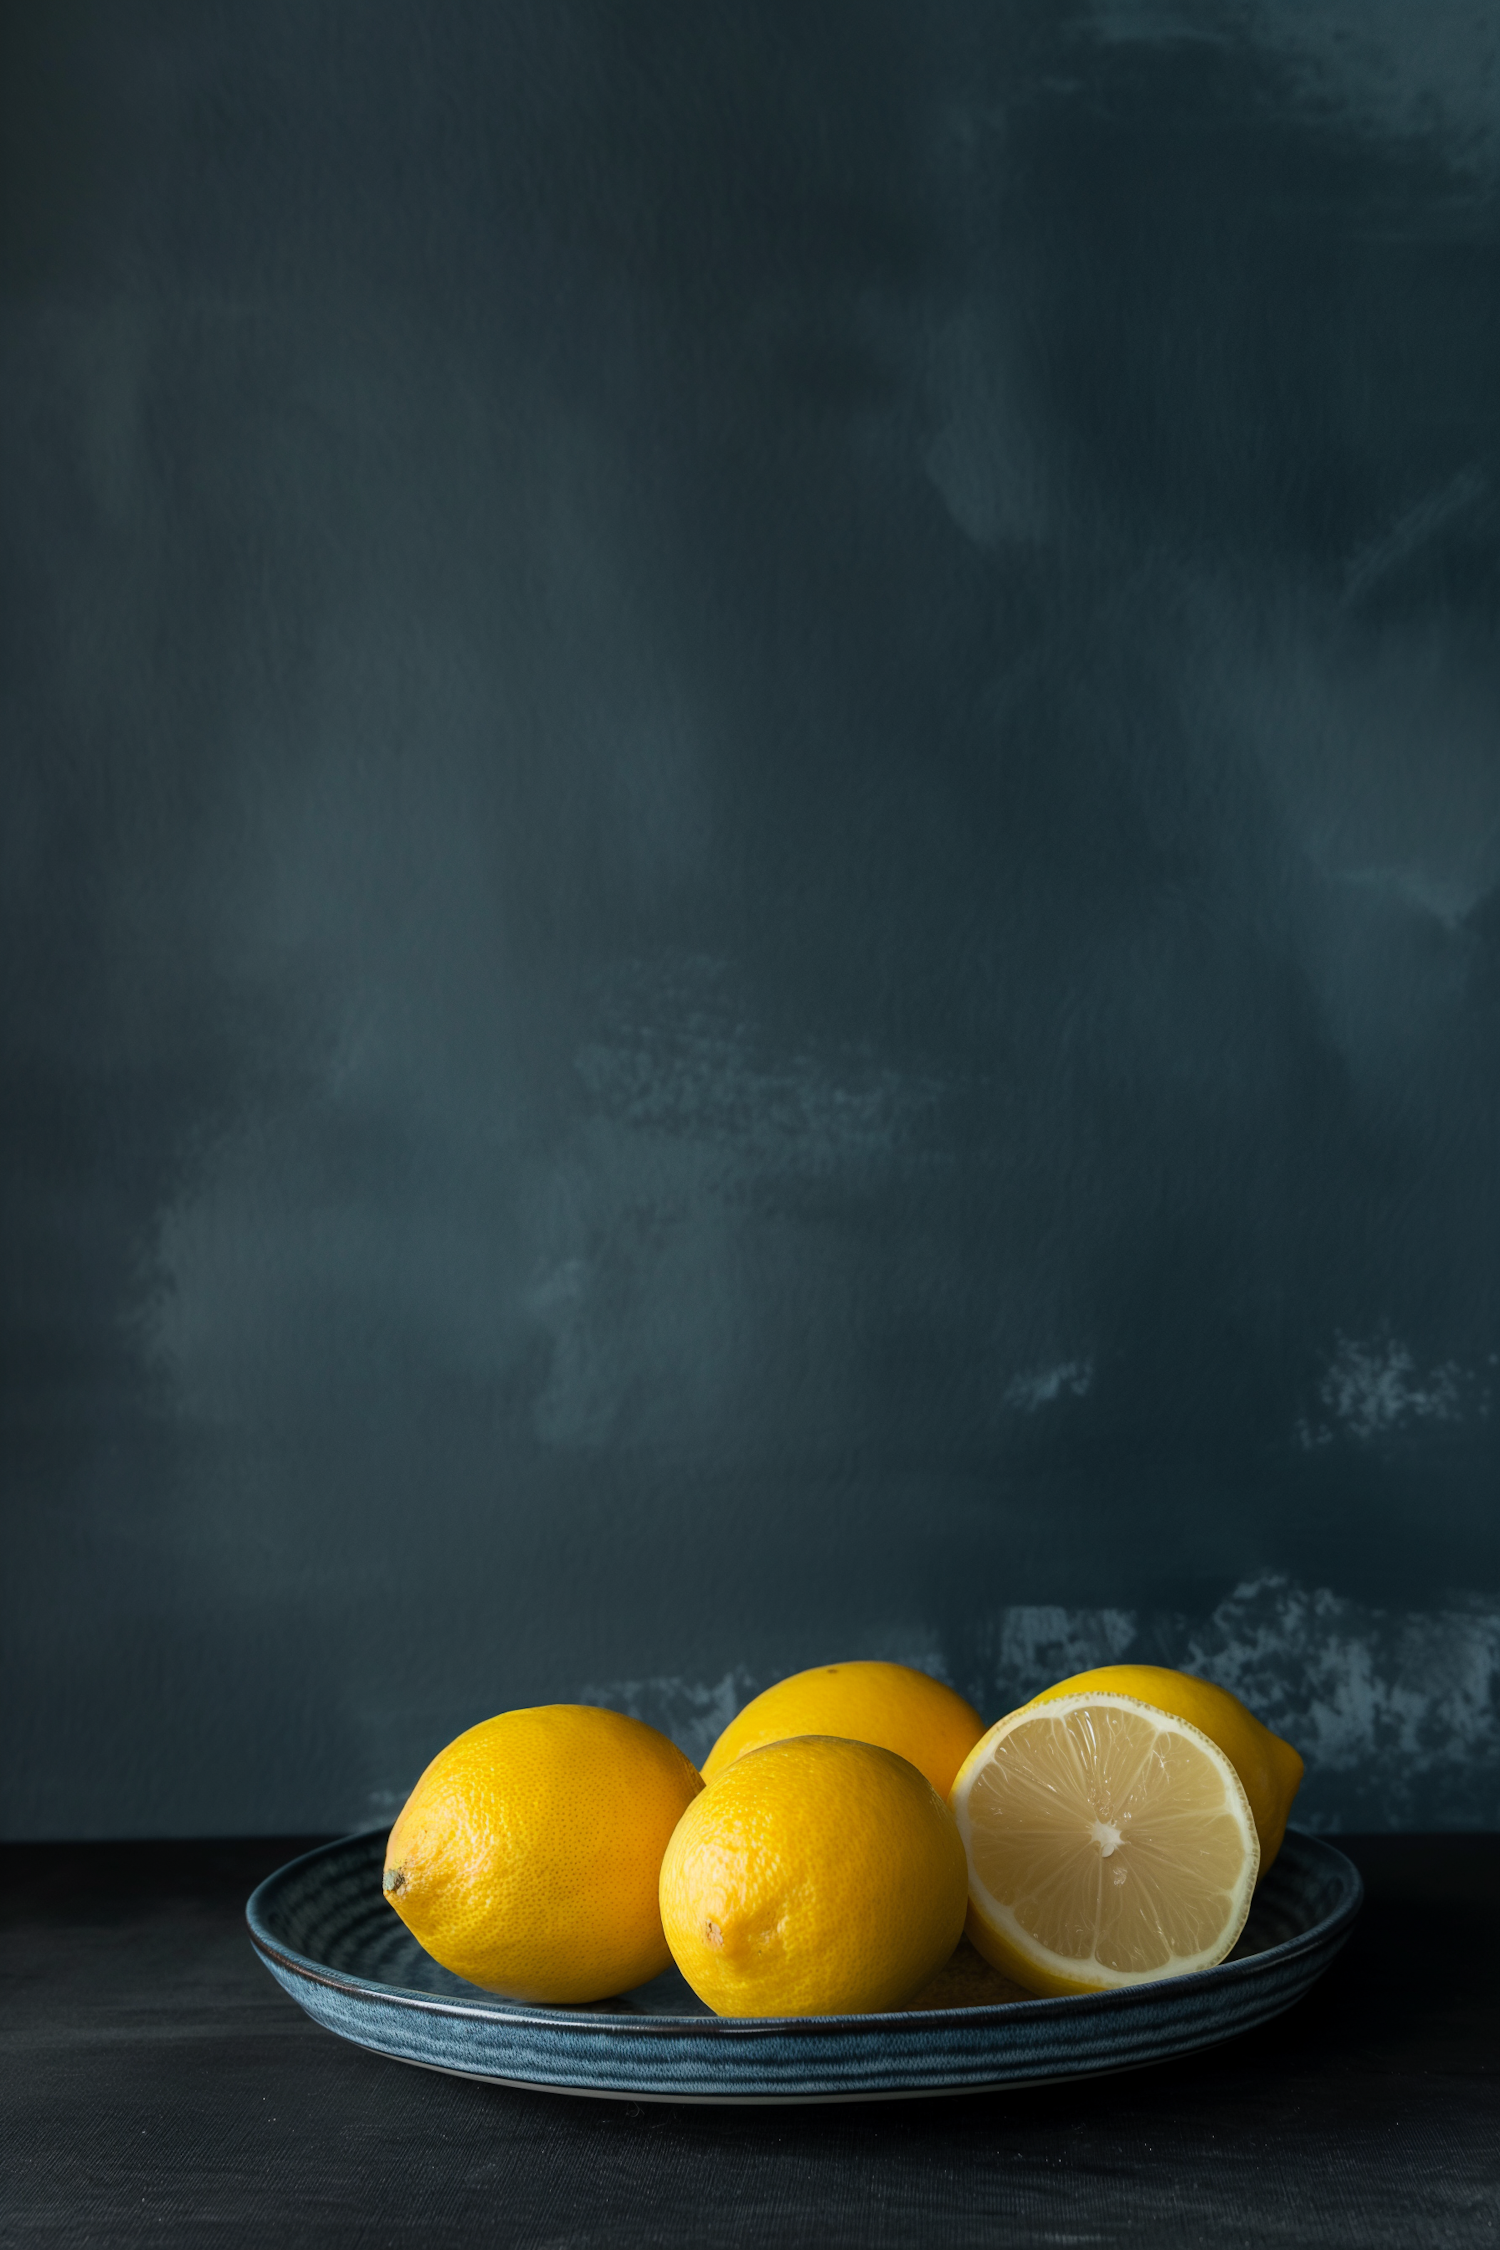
x=326 y=1934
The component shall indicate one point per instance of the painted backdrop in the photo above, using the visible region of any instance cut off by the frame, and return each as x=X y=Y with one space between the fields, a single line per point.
x=750 y=854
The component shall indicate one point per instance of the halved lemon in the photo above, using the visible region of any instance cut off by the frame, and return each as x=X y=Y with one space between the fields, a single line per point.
x=1109 y=1843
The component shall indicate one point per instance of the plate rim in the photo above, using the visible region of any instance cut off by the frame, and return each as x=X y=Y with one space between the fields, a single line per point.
x=1326 y=1933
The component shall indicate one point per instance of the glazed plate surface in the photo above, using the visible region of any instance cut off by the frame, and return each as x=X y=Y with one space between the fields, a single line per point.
x=326 y=1934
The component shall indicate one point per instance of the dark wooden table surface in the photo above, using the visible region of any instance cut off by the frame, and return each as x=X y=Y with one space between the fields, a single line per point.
x=159 y=2088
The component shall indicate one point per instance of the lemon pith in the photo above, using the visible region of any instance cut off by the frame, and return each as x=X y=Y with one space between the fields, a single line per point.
x=526 y=1858
x=1270 y=1768
x=814 y=1876
x=891 y=1705
x=1108 y=1842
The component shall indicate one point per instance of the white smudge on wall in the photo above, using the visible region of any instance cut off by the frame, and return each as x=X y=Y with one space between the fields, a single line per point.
x=1395 y=1712
x=1027 y=1647
x=1375 y=1386
x=679 y=1056
x=1071 y=1378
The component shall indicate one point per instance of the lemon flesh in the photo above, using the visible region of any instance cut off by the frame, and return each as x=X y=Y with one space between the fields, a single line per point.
x=1269 y=1767
x=816 y=1876
x=891 y=1705
x=1108 y=1843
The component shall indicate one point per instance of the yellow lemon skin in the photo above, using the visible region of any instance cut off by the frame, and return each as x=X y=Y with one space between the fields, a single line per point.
x=526 y=1859
x=1269 y=1768
x=890 y=1705
x=815 y=1876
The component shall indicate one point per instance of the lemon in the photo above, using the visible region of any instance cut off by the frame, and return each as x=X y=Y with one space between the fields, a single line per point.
x=526 y=1858
x=888 y=1704
x=1270 y=1768
x=817 y=1876
x=1109 y=1843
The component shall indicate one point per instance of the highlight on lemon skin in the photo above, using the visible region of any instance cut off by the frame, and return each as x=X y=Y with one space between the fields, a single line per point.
x=1270 y=1768
x=814 y=1876
x=1108 y=1843
x=891 y=1705
x=527 y=1857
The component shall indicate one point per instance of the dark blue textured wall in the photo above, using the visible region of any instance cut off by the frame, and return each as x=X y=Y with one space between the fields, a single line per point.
x=752 y=823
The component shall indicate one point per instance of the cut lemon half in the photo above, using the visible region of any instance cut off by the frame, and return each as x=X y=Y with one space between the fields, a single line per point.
x=1109 y=1843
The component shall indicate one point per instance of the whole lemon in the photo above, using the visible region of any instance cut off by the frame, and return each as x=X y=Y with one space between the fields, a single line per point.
x=1269 y=1768
x=888 y=1704
x=526 y=1858
x=817 y=1876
